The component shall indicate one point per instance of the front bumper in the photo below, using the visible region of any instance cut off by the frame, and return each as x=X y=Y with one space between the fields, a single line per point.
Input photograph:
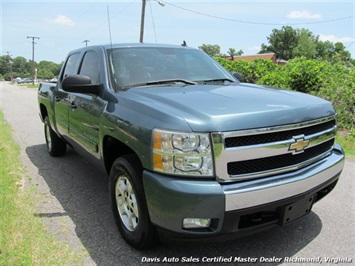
x=239 y=208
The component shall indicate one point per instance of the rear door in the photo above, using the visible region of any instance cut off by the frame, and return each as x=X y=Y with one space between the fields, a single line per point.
x=61 y=98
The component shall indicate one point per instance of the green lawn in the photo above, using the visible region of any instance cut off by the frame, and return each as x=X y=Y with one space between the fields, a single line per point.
x=23 y=236
x=347 y=141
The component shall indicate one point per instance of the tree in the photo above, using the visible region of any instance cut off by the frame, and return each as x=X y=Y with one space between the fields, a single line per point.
x=22 y=67
x=306 y=46
x=232 y=52
x=289 y=43
x=47 y=69
x=341 y=52
x=211 y=49
x=5 y=64
x=333 y=52
x=281 y=42
x=325 y=50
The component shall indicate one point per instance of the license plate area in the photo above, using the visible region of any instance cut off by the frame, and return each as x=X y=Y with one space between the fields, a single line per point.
x=296 y=210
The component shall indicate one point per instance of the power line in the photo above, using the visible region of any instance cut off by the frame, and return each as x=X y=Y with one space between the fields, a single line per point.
x=151 y=13
x=253 y=22
x=350 y=44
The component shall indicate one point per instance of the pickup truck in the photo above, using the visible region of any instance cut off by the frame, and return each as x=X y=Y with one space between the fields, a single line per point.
x=192 y=154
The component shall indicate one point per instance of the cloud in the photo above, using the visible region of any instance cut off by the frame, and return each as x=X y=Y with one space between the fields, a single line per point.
x=333 y=38
x=296 y=14
x=62 y=20
x=254 y=48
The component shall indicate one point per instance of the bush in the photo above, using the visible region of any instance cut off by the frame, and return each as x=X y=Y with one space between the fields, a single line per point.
x=251 y=71
x=339 y=88
x=278 y=79
x=305 y=75
x=333 y=82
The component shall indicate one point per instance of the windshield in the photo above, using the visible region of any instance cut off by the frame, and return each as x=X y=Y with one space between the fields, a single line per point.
x=141 y=65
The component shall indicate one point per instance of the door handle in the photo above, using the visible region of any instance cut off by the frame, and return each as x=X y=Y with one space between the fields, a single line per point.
x=57 y=99
x=73 y=105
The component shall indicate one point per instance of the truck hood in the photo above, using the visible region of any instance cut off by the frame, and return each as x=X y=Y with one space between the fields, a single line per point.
x=209 y=108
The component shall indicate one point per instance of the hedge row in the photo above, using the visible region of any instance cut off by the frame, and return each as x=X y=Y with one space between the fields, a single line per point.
x=333 y=82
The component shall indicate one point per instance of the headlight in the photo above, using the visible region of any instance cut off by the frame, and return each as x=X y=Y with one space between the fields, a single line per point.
x=182 y=153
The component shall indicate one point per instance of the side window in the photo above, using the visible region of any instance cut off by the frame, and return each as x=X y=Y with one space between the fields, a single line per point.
x=90 y=67
x=70 y=65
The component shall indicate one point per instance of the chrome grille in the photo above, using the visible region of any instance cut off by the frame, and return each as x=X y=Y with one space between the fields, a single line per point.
x=277 y=136
x=249 y=154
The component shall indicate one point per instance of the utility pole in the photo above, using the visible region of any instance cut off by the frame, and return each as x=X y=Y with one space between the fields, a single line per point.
x=142 y=21
x=86 y=42
x=33 y=56
x=162 y=4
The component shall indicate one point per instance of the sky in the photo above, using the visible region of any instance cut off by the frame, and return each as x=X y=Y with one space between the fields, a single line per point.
x=62 y=26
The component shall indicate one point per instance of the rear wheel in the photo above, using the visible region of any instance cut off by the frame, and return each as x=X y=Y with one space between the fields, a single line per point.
x=55 y=145
x=128 y=203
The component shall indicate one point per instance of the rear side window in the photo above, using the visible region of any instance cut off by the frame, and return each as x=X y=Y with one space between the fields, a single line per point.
x=90 y=67
x=70 y=65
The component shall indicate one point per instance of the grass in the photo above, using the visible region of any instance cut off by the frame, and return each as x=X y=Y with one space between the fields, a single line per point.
x=347 y=140
x=32 y=86
x=29 y=85
x=23 y=236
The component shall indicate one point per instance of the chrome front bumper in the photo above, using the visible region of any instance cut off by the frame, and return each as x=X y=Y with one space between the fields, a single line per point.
x=265 y=190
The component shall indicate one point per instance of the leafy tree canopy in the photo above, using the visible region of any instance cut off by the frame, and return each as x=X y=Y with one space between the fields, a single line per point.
x=211 y=49
x=232 y=52
x=21 y=67
x=281 y=42
x=288 y=43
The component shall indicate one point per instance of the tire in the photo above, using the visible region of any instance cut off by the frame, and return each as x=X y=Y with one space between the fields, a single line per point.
x=129 y=205
x=55 y=145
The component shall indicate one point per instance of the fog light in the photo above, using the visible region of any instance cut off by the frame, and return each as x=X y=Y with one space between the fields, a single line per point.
x=192 y=223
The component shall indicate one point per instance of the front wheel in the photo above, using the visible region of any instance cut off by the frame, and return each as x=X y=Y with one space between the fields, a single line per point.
x=128 y=203
x=55 y=145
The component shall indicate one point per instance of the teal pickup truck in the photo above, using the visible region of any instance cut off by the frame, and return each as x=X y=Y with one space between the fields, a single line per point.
x=192 y=153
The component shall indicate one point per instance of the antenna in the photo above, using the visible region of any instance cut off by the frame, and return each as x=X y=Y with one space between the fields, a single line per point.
x=109 y=25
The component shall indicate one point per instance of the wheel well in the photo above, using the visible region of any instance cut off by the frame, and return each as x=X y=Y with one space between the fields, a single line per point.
x=112 y=149
x=43 y=111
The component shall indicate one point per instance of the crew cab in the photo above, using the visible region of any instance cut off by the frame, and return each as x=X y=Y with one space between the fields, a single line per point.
x=191 y=152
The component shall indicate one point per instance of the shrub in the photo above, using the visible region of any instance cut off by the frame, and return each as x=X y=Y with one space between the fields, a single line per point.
x=339 y=88
x=277 y=78
x=305 y=75
x=333 y=82
x=251 y=71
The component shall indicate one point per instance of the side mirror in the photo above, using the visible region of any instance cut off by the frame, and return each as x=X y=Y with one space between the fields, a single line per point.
x=238 y=76
x=80 y=84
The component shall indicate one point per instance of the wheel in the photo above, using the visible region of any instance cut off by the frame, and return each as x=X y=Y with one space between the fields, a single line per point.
x=128 y=203
x=55 y=145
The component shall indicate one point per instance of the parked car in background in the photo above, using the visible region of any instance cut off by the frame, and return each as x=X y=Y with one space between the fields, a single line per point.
x=25 y=80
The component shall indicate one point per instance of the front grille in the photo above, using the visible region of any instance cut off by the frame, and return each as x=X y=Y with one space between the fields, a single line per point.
x=250 y=154
x=276 y=136
x=276 y=162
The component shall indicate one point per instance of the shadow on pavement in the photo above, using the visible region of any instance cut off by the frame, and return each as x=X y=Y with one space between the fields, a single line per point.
x=82 y=191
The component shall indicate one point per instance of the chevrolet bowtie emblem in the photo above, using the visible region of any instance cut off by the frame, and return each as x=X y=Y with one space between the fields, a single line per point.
x=299 y=145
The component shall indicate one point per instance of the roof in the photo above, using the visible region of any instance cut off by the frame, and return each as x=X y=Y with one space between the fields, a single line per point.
x=127 y=45
x=267 y=56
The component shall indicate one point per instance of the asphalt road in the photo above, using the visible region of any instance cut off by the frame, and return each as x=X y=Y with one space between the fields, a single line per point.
x=72 y=199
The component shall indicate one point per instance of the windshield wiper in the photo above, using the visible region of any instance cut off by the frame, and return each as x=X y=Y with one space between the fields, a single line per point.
x=188 y=82
x=218 y=80
x=164 y=81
